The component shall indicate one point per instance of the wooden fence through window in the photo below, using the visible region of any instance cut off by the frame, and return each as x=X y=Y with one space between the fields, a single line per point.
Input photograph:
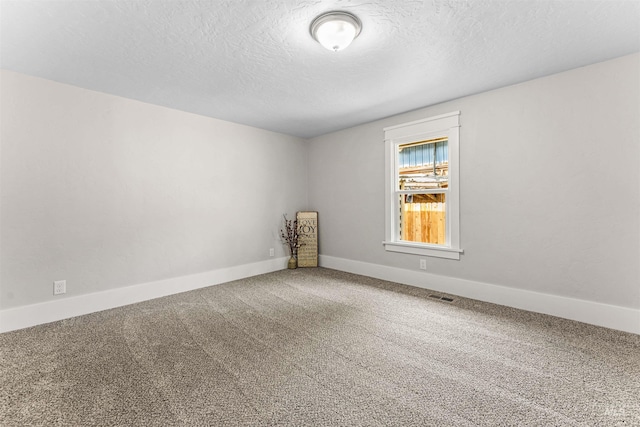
x=423 y=222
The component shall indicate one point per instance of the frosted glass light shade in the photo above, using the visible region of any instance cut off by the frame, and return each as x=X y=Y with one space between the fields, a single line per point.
x=335 y=30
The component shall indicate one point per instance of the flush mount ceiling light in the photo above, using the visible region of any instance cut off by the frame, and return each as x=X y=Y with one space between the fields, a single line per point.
x=335 y=30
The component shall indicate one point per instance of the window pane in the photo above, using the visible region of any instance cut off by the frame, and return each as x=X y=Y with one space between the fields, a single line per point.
x=423 y=218
x=423 y=165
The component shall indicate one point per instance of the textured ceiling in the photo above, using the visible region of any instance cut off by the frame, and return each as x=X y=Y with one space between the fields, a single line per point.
x=254 y=62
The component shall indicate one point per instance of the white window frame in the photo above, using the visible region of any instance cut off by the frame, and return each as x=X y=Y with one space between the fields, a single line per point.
x=445 y=125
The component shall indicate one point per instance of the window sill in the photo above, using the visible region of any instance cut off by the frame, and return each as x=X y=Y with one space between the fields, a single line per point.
x=422 y=249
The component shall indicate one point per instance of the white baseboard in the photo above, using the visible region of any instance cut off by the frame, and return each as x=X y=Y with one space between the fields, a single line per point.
x=609 y=316
x=51 y=311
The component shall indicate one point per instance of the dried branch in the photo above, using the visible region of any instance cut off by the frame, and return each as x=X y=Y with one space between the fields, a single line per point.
x=291 y=235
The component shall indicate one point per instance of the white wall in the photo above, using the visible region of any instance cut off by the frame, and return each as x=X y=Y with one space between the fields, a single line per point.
x=550 y=188
x=108 y=192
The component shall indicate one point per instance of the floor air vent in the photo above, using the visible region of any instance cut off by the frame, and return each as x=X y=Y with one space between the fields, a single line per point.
x=441 y=298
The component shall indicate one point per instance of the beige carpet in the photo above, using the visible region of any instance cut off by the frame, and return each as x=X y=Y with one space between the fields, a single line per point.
x=318 y=347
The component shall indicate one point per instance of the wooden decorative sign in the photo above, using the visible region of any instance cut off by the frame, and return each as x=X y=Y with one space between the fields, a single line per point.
x=308 y=231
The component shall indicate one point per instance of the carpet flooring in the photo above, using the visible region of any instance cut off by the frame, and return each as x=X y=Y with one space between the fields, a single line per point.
x=318 y=347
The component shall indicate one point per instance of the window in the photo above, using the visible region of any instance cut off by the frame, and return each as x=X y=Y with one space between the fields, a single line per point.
x=422 y=187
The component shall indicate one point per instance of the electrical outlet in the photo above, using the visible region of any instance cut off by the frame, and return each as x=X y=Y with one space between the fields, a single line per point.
x=423 y=264
x=59 y=287
x=272 y=252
